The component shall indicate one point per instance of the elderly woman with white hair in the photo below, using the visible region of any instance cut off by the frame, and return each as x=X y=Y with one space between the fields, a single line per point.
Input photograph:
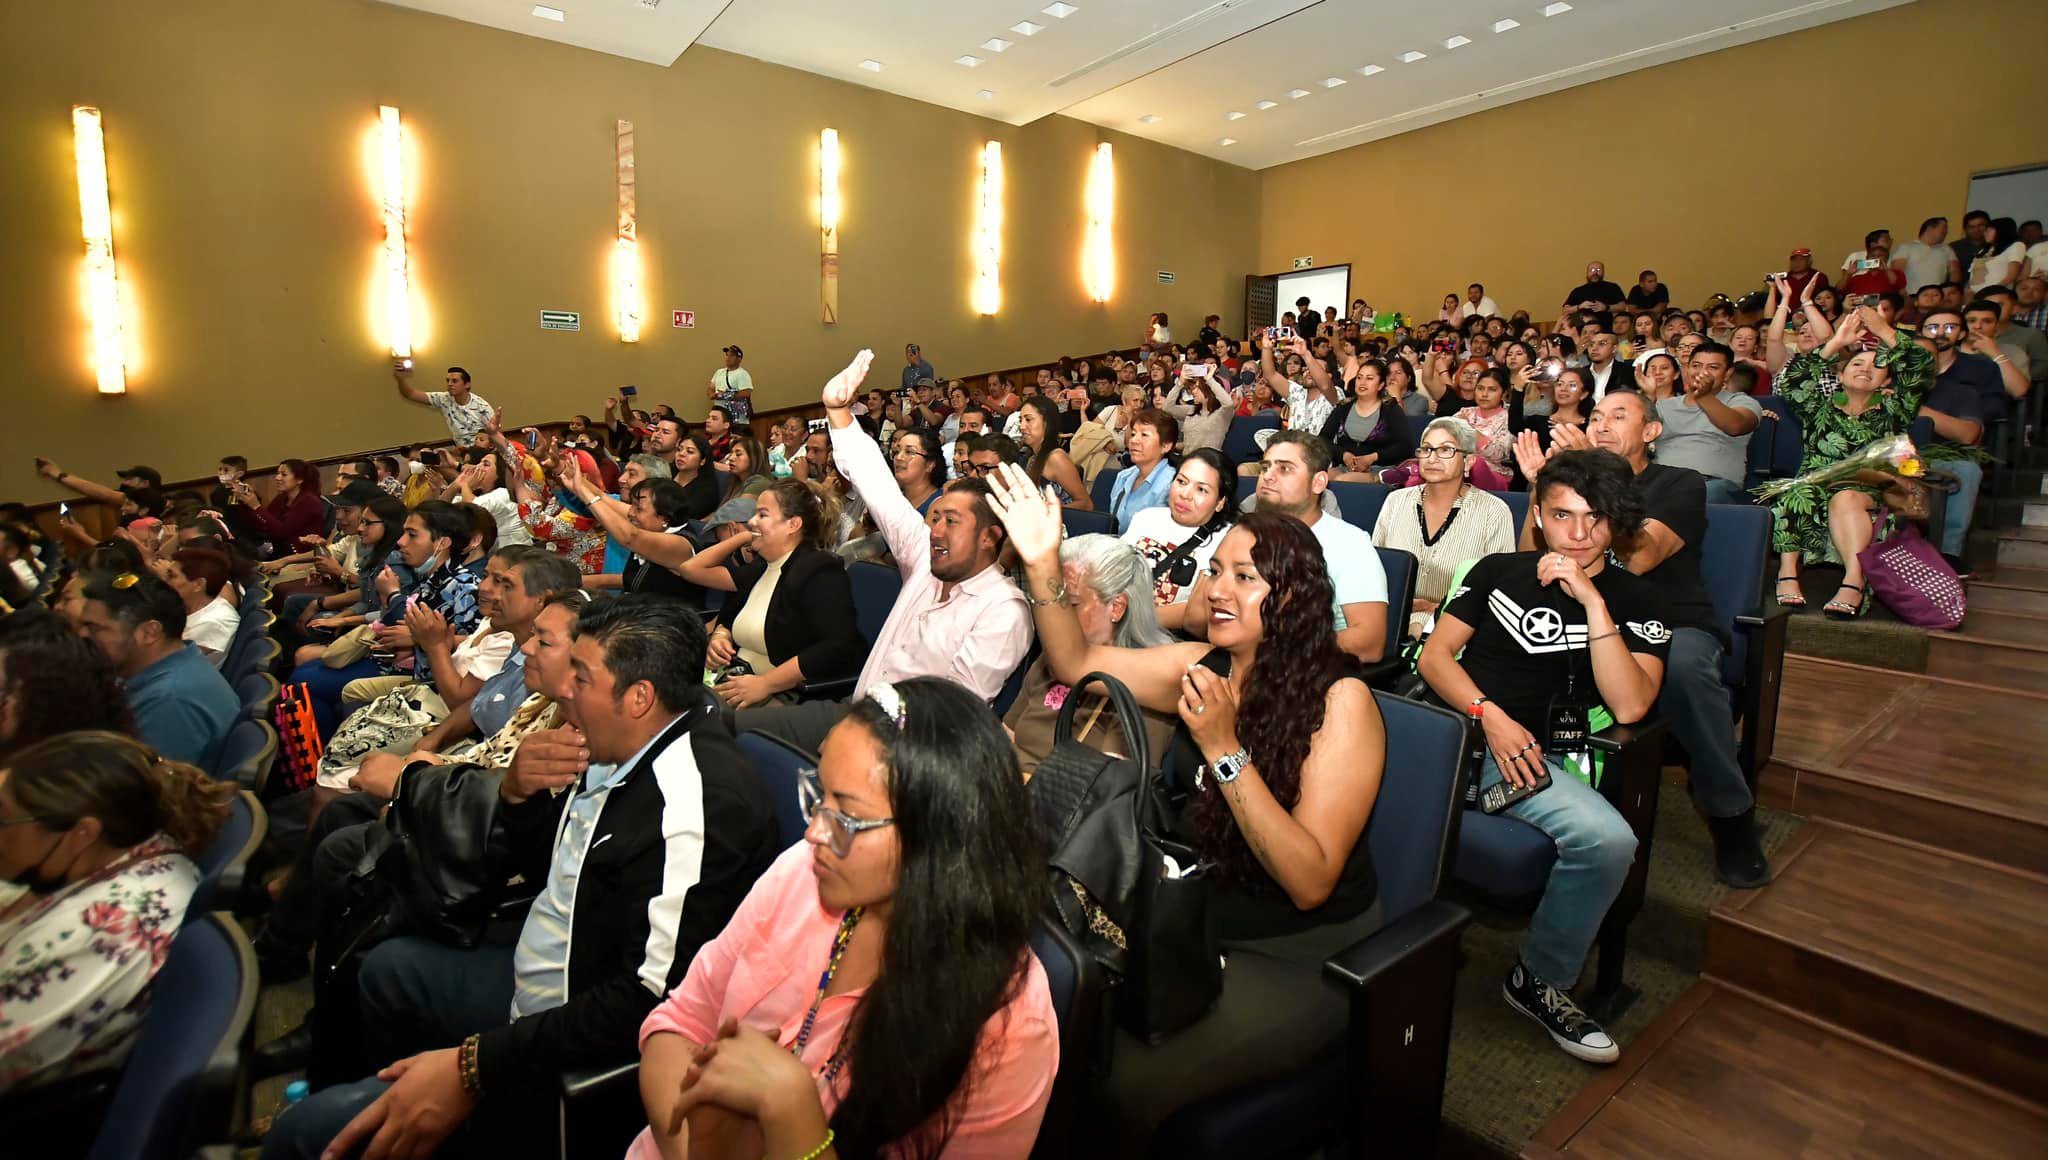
x=1109 y=587
x=1444 y=521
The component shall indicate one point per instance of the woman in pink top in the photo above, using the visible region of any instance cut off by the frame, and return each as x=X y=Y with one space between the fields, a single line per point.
x=875 y=994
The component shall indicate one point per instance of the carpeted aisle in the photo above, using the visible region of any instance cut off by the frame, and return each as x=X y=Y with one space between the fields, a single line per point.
x=1506 y=1077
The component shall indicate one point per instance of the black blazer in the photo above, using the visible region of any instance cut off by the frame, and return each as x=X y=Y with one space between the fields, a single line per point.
x=1395 y=445
x=809 y=617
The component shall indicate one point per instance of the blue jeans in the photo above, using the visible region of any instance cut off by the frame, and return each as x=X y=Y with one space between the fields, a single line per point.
x=417 y=995
x=1695 y=701
x=1725 y=491
x=1594 y=850
x=1955 y=525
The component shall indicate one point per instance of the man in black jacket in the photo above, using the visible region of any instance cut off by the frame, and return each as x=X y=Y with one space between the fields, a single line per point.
x=646 y=826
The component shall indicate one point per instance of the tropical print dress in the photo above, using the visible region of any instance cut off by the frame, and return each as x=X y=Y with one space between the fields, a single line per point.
x=77 y=966
x=1811 y=388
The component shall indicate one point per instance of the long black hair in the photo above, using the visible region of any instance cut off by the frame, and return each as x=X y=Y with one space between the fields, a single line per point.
x=1226 y=486
x=970 y=884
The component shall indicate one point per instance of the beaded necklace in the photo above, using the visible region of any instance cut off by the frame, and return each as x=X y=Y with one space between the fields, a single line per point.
x=803 y=1036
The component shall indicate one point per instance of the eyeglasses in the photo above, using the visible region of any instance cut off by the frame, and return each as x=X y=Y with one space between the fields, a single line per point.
x=840 y=829
x=1446 y=451
x=1940 y=328
x=982 y=468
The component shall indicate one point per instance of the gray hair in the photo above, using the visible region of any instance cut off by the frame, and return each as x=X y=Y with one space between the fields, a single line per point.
x=1459 y=430
x=1112 y=568
x=653 y=466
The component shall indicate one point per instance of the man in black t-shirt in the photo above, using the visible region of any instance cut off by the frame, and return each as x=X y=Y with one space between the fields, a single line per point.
x=1540 y=631
x=1694 y=701
x=1596 y=292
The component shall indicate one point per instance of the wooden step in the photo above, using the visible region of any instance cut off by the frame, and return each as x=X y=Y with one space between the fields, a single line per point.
x=1999 y=661
x=2023 y=547
x=2010 y=627
x=1948 y=764
x=1722 y=1074
x=1994 y=596
x=1935 y=956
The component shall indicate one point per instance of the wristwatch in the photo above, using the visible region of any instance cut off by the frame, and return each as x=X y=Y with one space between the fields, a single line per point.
x=1228 y=766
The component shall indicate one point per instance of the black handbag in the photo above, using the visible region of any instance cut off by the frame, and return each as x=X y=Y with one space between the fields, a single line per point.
x=1123 y=882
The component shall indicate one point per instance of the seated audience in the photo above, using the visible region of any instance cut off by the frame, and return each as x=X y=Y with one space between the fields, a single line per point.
x=1109 y=587
x=183 y=708
x=200 y=578
x=1039 y=427
x=1201 y=403
x=646 y=826
x=487 y=483
x=1370 y=431
x=1495 y=656
x=295 y=509
x=102 y=832
x=1444 y=521
x=52 y=681
x=1706 y=427
x=790 y=619
x=746 y=465
x=1178 y=539
x=921 y=834
x=1150 y=447
x=1283 y=753
x=360 y=559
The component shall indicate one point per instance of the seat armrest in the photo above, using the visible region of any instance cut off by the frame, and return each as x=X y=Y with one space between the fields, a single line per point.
x=1616 y=739
x=584 y=1081
x=826 y=690
x=1381 y=669
x=1757 y=619
x=1357 y=965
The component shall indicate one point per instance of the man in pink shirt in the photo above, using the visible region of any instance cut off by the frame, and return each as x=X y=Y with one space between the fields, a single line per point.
x=959 y=616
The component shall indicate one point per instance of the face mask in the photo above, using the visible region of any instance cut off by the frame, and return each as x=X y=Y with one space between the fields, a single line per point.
x=414 y=467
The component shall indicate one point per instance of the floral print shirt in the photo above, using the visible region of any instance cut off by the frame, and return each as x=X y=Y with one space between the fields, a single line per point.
x=562 y=531
x=76 y=966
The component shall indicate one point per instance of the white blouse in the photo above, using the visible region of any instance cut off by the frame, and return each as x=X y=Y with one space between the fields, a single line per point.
x=212 y=628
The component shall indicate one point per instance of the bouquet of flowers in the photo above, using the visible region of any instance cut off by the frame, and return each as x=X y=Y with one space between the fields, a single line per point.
x=1894 y=456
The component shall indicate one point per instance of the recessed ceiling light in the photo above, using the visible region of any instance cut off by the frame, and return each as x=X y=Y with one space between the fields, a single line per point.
x=1226 y=142
x=1371 y=70
x=1411 y=56
x=1149 y=119
x=1233 y=115
x=1457 y=42
x=1262 y=106
x=996 y=44
x=969 y=61
x=1332 y=82
x=1059 y=11
x=547 y=13
x=1026 y=28
x=987 y=94
x=1296 y=94
x=1506 y=25
x=872 y=65
x=1556 y=9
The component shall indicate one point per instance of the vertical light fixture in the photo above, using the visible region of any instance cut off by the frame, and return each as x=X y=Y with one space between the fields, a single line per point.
x=1098 y=252
x=626 y=251
x=828 y=221
x=988 y=232
x=96 y=223
x=397 y=276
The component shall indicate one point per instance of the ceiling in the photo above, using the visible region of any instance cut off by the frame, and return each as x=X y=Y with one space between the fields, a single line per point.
x=1174 y=71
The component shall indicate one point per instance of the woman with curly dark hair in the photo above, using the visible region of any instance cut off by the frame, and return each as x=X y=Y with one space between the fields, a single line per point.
x=1528 y=646
x=1283 y=750
x=53 y=681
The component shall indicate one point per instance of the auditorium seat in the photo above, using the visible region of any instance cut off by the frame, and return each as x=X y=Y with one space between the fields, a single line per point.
x=1240 y=442
x=1360 y=503
x=1105 y=482
x=248 y=754
x=1736 y=565
x=1082 y=523
x=1077 y=983
x=779 y=764
x=1401 y=568
x=224 y=862
x=1778 y=441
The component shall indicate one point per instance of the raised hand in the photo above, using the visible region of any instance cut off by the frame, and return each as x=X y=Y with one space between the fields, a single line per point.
x=1031 y=516
x=1529 y=455
x=840 y=390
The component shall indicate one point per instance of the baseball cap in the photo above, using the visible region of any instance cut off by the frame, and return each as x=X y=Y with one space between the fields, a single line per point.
x=734 y=351
x=357 y=494
x=151 y=474
x=1802 y=252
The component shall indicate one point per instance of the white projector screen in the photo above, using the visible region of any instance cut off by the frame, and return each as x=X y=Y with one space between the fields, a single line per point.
x=1328 y=286
x=2020 y=194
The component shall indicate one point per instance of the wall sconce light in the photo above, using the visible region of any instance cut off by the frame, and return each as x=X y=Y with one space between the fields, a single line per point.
x=626 y=297
x=988 y=232
x=828 y=221
x=1098 y=253
x=96 y=224
x=397 y=276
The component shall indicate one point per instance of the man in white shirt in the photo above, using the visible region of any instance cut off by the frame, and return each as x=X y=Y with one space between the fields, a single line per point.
x=732 y=387
x=1294 y=474
x=1477 y=304
x=466 y=412
x=1707 y=427
x=1927 y=260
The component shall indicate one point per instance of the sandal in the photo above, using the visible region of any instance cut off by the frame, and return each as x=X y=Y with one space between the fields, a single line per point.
x=1837 y=610
x=1797 y=599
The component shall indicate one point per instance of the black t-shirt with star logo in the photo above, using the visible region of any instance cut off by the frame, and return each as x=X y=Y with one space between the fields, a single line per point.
x=1529 y=640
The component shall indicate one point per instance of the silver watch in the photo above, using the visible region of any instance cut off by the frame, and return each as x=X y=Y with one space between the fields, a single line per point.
x=1228 y=766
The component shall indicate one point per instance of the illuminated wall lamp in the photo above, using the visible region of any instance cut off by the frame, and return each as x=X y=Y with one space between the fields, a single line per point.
x=626 y=298
x=397 y=276
x=96 y=223
x=1098 y=256
x=988 y=232
x=828 y=221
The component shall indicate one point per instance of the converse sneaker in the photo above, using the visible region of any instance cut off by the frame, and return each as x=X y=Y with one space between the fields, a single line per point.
x=1554 y=1009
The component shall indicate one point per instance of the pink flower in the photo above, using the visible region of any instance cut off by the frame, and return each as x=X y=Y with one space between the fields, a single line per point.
x=109 y=917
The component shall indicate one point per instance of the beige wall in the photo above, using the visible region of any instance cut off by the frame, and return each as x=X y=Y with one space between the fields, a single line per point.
x=246 y=228
x=1692 y=168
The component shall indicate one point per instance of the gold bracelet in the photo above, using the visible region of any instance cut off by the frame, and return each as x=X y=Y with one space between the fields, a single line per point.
x=1059 y=596
x=821 y=1149
x=465 y=1063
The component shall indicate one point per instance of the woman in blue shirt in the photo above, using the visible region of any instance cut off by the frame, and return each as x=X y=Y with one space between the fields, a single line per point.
x=1150 y=446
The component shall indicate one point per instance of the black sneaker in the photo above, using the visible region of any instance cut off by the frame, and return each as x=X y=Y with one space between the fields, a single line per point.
x=1738 y=853
x=1554 y=1009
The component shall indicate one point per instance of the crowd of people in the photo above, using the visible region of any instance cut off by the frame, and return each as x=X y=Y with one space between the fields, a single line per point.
x=549 y=641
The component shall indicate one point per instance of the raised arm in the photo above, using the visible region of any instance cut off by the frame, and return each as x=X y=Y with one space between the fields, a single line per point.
x=401 y=373
x=707 y=568
x=862 y=464
x=84 y=487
